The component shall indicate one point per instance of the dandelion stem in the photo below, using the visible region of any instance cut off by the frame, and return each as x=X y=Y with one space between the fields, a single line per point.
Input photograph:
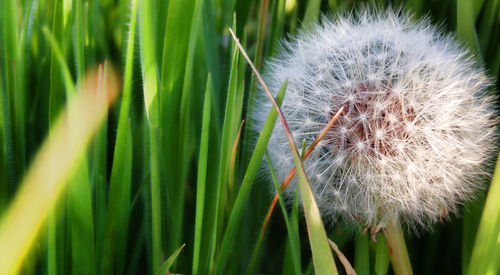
x=397 y=249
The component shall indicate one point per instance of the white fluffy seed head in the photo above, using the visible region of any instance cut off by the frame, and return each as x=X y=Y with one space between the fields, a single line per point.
x=418 y=123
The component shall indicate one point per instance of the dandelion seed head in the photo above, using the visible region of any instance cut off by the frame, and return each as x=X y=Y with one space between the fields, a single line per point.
x=417 y=127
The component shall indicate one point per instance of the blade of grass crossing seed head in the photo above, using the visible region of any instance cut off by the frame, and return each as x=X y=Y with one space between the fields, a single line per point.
x=321 y=253
x=305 y=153
x=48 y=173
x=292 y=172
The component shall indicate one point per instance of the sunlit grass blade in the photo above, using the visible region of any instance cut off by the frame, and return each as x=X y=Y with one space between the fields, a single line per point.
x=488 y=234
x=322 y=256
x=49 y=171
x=246 y=185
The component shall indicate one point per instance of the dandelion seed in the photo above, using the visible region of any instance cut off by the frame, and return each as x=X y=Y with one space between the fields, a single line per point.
x=417 y=126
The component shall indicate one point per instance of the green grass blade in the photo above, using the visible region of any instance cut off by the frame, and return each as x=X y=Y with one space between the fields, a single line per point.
x=228 y=135
x=486 y=244
x=120 y=182
x=175 y=98
x=201 y=178
x=178 y=190
x=164 y=269
x=361 y=254
x=382 y=259
x=246 y=185
x=312 y=12
x=292 y=231
x=466 y=30
x=13 y=76
x=277 y=26
x=150 y=87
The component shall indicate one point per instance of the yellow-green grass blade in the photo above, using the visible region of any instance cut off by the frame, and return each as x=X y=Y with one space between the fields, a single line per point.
x=49 y=172
x=117 y=213
x=487 y=240
x=251 y=172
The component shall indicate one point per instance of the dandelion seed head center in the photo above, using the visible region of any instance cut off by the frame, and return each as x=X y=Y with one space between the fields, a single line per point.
x=374 y=118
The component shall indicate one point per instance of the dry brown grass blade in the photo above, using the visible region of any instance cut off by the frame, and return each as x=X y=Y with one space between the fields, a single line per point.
x=347 y=265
